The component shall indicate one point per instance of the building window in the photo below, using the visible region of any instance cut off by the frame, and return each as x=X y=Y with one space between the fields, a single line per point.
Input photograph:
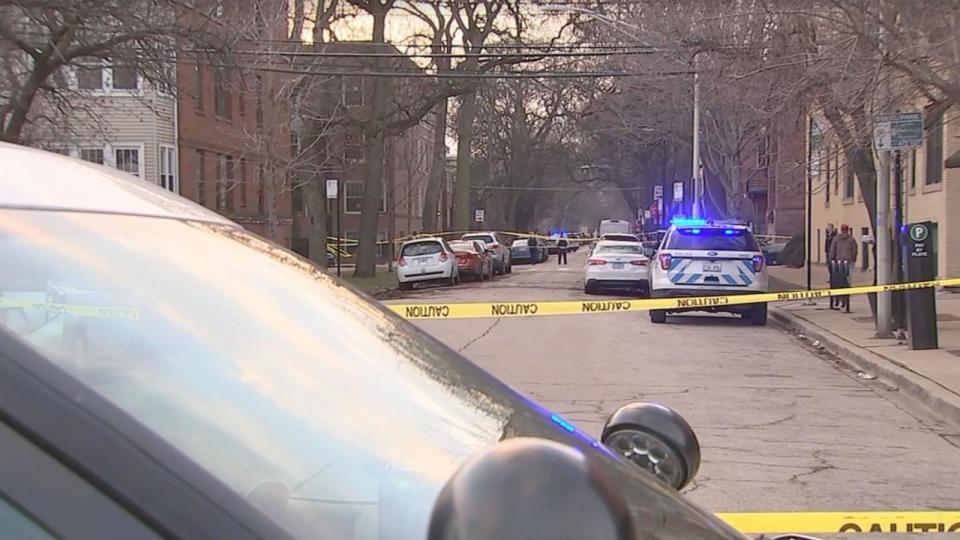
x=353 y=197
x=353 y=91
x=259 y=90
x=243 y=183
x=297 y=199
x=90 y=74
x=229 y=167
x=261 y=195
x=383 y=246
x=763 y=150
x=201 y=178
x=127 y=159
x=935 y=151
x=221 y=94
x=354 y=150
x=168 y=168
x=221 y=182
x=125 y=78
x=93 y=155
x=848 y=185
x=198 y=88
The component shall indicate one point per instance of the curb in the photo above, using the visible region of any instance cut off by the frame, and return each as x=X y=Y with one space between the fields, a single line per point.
x=942 y=401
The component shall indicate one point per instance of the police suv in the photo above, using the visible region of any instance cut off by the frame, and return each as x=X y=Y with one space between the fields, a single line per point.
x=709 y=258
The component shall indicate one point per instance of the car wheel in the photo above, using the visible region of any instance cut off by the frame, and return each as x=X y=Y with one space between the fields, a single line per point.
x=658 y=316
x=405 y=286
x=587 y=288
x=758 y=315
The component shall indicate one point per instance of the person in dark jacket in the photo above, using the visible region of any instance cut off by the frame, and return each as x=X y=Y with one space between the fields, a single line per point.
x=843 y=257
x=562 y=250
x=831 y=235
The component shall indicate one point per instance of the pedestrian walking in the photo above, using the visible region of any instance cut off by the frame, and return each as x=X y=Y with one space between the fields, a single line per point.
x=562 y=250
x=842 y=258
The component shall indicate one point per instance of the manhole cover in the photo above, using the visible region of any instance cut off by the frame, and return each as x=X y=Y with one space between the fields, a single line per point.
x=863 y=319
x=947 y=317
x=955 y=352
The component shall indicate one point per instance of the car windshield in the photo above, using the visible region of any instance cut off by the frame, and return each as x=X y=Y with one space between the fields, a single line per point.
x=712 y=239
x=422 y=248
x=625 y=248
x=620 y=237
x=463 y=246
x=482 y=237
x=283 y=384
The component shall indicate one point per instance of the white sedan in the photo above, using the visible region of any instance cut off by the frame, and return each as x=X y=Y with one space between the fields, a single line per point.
x=617 y=265
x=426 y=259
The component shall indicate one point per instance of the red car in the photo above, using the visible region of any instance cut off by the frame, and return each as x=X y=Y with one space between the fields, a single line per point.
x=473 y=259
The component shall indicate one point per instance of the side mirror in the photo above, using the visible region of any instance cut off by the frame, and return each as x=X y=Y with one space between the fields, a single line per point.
x=657 y=439
x=533 y=489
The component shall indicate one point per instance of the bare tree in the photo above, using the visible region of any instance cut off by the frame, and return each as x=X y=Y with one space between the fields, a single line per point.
x=40 y=40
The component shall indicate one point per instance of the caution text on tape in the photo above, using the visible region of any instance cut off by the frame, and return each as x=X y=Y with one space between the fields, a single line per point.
x=80 y=310
x=473 y=310
x=843 y=522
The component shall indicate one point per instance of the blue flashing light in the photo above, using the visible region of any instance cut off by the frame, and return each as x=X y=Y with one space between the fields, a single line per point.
x=904 y=228
x=695 y=231
x=684 y=222
x=562 y=423
x=729 y=232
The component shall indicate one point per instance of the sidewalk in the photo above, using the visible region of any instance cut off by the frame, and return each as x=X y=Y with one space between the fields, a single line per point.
x=932 y=377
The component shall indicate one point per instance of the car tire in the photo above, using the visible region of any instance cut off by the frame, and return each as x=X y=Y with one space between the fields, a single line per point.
x=405 y=286
x=758 y=315
x=658 y=316
x=587 y=288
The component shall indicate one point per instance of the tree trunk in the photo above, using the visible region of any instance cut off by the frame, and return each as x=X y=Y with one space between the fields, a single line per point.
x=438 y=171
x=462 y=186
x=375 y=150
x=272 y=196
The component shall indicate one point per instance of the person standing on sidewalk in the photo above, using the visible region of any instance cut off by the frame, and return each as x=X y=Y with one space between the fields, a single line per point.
x=562 y=250
x=842 y=257
x=831 y=235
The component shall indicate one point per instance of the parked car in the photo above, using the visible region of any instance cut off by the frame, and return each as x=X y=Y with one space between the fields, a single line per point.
x=551 y=246
x=473 y=259
x=773 y=253
x=426 y=259
x=543 y=250
x=526 y=251
x=617 y=265
x=267 y=400
x=500 y=247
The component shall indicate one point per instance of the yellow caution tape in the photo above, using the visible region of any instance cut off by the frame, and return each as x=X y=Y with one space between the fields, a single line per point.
x=527 y=309
x=81 y=310
x=842 y=522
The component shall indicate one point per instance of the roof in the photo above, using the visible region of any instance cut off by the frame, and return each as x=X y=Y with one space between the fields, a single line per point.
x=617 y=243
x=36 y=179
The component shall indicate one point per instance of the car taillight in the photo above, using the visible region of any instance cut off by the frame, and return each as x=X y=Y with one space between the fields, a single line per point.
x=758 y=263
x=596 y=262
x=401 y=261
x=639 y=262
x=666 y=260
x=443 y=256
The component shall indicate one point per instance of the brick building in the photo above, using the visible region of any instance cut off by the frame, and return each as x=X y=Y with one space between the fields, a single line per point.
x=233 y=129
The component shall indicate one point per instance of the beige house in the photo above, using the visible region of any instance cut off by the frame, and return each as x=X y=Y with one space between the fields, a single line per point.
x=118 y=119
x=931 y=192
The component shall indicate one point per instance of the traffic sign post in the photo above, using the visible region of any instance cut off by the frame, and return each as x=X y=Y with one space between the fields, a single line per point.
x=658 y=192
x=898 y=131
x=921 y=303
x=333 y=193
x=478 y=215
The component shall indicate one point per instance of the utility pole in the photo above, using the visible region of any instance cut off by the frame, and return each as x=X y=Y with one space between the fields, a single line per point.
x=883 y=245
x=697 y=181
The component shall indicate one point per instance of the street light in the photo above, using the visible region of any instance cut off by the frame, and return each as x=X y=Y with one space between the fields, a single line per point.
x=698 y=188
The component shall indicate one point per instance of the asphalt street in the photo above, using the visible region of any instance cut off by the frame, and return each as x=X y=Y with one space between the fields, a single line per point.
x=782 y=426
